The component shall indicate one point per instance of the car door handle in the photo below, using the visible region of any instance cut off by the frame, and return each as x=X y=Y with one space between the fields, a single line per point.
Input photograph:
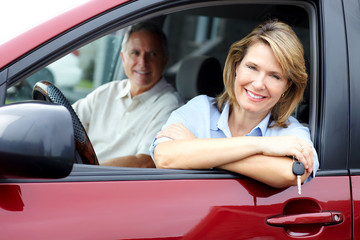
x=323 y=218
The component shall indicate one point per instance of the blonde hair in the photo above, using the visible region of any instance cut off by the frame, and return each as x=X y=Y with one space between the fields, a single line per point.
x=288 y=51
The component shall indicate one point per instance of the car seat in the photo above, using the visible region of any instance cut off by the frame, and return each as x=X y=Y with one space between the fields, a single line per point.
x=199 y=75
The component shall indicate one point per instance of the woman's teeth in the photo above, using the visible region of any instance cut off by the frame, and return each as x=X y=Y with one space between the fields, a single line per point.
x=254 y=96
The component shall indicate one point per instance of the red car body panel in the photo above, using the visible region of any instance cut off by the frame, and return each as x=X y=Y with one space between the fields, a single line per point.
x=355 y=182
x=234 y=208
x=20 y=45
x=186 y=209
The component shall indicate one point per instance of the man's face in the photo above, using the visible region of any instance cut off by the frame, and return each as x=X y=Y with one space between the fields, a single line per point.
x=143 y=61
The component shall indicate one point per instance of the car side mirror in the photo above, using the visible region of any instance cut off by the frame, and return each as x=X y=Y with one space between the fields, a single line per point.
x=36 y=140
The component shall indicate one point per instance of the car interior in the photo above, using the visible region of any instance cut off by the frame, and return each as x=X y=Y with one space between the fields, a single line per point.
x=199 y=39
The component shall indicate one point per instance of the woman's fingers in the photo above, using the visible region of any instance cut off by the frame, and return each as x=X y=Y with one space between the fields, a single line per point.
x=305 y=154
x=176 y=131
x=290 y=146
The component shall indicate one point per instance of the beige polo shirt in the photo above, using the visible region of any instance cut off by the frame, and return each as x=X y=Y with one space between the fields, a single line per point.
x=119 y=125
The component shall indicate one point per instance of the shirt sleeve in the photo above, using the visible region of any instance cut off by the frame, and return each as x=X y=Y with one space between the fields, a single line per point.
x=154 y=127
x=192 y=114
x=86 y=106
x=83 y=108
x=174 y=118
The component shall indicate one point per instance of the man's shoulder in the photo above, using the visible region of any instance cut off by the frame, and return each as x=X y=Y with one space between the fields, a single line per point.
x=112 y=88
x=118 y=84
x=168 y=95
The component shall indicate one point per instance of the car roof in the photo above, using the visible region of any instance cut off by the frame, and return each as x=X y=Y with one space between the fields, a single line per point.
x=24 y=42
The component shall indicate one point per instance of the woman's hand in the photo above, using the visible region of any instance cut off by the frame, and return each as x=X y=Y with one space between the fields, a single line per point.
x=176 y=131
x=290 y=146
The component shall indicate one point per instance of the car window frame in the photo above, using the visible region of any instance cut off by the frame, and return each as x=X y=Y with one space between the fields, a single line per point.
x=124 y=16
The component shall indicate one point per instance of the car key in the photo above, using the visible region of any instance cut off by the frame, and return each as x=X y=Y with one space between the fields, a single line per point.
x=298 y=169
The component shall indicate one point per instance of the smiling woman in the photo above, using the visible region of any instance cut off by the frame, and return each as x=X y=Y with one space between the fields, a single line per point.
x=102 y=202
x=250 y=125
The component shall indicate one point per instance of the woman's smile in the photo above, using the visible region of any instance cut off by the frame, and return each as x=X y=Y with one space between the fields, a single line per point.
x=253 y=96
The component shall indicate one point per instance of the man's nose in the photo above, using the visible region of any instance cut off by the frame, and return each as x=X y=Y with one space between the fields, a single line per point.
x=143 y=59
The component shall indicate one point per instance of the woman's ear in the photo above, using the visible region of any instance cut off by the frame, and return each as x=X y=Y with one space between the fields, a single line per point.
x=236 y=67
x=288 y=84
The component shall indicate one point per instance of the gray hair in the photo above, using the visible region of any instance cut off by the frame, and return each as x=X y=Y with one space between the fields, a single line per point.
x=147 y=27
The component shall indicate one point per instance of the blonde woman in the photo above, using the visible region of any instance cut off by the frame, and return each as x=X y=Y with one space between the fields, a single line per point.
x=249 y=128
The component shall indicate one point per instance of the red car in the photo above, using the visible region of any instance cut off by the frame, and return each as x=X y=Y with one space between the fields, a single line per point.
x=46 y=194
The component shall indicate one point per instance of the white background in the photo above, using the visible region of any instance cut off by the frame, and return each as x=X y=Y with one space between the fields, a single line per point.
x=17 y=16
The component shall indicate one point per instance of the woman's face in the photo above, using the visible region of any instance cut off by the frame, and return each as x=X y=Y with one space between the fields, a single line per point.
x=259 y=80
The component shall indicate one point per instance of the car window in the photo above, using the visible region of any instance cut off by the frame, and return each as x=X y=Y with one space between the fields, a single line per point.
x=206 y=31
x=203 y=31
x=77 y=73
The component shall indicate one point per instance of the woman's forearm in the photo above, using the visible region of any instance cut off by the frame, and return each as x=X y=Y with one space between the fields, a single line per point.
x=273 y=171
x=204 y=153
x=187 y=152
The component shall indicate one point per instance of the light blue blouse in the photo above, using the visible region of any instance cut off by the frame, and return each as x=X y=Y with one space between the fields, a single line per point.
x=202 y=118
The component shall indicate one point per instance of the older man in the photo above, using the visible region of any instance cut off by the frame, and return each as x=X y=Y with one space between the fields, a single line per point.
x=123 y=117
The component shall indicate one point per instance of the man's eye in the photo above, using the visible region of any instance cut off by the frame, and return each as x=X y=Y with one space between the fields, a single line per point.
x=152 y=54
x=134 y=53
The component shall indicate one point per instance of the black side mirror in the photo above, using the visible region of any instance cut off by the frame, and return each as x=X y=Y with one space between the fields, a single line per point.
x=36 y=140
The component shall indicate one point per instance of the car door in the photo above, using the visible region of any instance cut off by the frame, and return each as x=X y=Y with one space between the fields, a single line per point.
x=96 y=202
x=352 y=18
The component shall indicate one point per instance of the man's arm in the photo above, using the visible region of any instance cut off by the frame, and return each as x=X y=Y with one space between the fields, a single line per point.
x=138 y=161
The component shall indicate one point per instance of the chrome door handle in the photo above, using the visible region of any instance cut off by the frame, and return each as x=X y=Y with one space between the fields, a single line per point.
x=323 y=218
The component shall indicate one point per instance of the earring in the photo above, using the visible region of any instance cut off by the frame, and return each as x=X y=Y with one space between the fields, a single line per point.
x=282 y=95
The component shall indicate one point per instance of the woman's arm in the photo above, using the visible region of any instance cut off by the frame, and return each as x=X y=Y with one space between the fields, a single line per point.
x=203 y=153
x=187 y=152
x=274 y=171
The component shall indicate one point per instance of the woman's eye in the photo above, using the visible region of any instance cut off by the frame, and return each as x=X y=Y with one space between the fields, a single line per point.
x=276 y=77
x=251 y=67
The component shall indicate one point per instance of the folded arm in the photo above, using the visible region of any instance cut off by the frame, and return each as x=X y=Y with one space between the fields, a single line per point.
x=274 y=171
x=260 y=158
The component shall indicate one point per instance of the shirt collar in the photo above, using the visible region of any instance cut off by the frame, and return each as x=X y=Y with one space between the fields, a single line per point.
x=260 y=129
x=152 y=92
x=223 y=124
x=125 y=91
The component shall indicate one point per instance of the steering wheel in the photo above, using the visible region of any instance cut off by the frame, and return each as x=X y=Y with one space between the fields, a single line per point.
x=46 y=91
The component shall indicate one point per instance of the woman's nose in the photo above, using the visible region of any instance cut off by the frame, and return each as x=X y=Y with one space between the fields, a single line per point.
x=259 y=82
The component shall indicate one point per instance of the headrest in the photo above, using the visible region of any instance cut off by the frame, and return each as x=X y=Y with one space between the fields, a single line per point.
x=199 y=75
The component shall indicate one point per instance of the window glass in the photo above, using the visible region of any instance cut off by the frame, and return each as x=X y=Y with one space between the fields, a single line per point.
x=211 y=30
x=202 y=31
x=77 y=73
